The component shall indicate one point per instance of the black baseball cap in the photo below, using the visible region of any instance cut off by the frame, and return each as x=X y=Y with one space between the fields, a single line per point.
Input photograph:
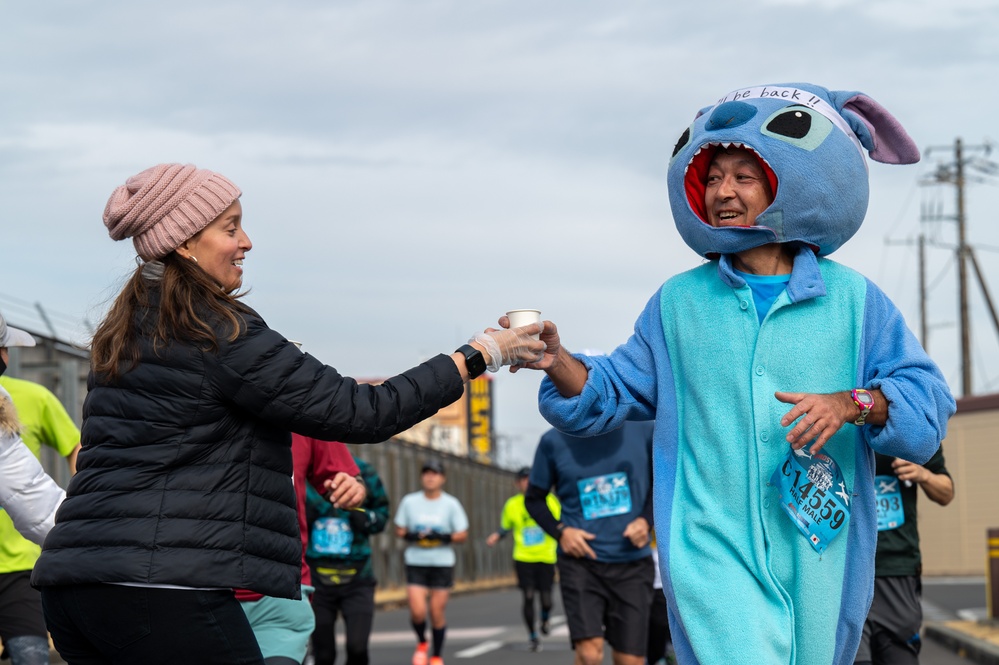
x=434 y=465
x=524 y=472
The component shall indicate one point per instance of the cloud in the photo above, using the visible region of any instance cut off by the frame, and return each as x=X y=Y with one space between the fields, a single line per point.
x=411 y=170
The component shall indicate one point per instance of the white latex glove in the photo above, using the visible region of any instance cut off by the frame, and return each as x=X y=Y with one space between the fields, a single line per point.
x=511 y=347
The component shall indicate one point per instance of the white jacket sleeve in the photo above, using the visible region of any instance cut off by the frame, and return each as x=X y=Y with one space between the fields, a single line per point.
x=27 y=493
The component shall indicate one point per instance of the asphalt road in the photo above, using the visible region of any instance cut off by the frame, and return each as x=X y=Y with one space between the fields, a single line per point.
x=486 y=629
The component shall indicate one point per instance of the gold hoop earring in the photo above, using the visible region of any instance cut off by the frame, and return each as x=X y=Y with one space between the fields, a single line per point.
x=194 y=258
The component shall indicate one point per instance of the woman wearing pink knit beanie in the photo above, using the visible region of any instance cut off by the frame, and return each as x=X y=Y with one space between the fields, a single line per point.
x=165 y=205
x=183 y=491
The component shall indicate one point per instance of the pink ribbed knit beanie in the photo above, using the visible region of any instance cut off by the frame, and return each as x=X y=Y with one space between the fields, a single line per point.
x=165 y=205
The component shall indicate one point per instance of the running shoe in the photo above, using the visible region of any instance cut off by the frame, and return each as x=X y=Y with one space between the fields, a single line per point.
x=436 y=660
x=546 y=627
x=535 y=645
x=420 y=655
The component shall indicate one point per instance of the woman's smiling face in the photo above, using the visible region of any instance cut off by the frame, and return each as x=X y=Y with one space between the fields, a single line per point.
x=220 y=247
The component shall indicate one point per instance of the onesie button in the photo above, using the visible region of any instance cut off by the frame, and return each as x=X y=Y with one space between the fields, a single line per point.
x=744 y=304
x=764 y=436
x=766 y=503
x=759 y=370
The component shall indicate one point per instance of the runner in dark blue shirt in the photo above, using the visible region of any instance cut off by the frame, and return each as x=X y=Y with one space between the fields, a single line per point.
x=604 y=484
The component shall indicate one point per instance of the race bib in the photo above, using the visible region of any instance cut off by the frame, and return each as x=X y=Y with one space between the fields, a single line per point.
x=604 y=496
x=814 y=496
x=889 y=500
x=532 y=535
x=332 y=536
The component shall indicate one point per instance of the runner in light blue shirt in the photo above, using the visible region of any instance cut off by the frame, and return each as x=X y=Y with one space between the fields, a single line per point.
x=431 y=520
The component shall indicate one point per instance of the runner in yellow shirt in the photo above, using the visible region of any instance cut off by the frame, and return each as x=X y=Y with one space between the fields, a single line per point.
x=533 y=555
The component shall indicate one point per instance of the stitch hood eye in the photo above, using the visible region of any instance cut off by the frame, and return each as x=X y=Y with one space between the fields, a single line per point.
x=793 y=124
x=798 y=125
x=681 y=143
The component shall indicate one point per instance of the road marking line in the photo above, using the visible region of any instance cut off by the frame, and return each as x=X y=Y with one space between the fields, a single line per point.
x=957 y=581
x=387 y=637
x=392 y=636
x=479 y=649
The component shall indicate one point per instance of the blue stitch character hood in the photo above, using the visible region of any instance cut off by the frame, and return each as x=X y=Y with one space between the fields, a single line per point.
x=810 y=143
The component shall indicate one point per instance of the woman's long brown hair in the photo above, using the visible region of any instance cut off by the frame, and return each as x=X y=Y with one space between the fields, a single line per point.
x=191 y=305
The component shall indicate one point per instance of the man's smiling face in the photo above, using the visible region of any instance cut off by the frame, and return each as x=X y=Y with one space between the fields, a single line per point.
x=736 y=190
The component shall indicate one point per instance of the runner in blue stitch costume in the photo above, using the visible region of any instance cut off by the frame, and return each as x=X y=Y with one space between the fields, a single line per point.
x=773 y=374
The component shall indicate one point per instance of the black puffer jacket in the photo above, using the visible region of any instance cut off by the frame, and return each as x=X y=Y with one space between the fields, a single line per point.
x=185 y=472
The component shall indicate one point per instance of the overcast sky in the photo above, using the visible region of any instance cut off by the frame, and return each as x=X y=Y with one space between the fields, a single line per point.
x=411 y=170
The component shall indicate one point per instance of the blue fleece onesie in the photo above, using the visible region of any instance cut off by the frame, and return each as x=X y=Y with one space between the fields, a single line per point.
x=743 y=585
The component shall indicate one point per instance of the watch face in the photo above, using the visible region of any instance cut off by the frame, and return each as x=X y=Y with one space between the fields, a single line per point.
x=863 y=397
x=474 y=362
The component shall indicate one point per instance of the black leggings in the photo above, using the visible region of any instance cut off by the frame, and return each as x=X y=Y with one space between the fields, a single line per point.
x=546 y=605
x=659 y=635
x=535 y=577
x=356 y=602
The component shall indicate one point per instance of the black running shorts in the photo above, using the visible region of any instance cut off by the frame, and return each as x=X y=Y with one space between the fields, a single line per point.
x=609 y=600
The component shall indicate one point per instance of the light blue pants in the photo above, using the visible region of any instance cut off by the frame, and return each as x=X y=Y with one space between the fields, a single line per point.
x=282 y=626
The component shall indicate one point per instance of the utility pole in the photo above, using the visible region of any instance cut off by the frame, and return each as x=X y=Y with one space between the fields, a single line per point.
x=954 y=174
x=924 y=328
x=962 y=273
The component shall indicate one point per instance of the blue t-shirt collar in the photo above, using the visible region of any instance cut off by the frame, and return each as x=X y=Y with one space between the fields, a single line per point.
x=806 y=279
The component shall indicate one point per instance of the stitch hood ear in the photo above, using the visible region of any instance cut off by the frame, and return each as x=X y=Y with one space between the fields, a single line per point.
x=878 y=130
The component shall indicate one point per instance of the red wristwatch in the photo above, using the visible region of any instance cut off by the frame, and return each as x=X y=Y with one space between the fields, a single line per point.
x=864 y=401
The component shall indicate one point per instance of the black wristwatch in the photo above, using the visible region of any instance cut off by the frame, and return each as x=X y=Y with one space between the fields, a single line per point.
x=474 y=361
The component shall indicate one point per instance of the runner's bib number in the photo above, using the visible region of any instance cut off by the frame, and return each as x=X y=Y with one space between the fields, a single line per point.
x=332 y=536
x=532 y=535
x=604 y=496
x=814 y=496
x=889 y=498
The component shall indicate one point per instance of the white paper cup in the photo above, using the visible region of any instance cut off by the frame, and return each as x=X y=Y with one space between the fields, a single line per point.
x=524 y=317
